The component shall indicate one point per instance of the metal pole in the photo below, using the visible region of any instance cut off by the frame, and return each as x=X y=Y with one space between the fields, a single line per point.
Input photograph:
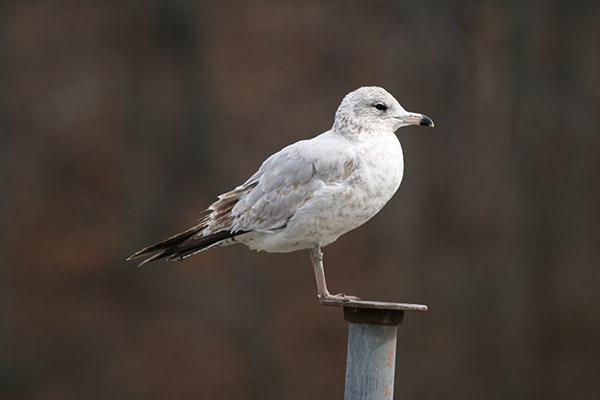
x=371 y=356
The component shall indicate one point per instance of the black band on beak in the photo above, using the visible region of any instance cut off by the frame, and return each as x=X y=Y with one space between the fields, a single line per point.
x=426 y=121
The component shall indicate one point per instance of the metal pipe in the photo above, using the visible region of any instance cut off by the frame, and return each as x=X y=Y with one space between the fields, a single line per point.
x=371 y=357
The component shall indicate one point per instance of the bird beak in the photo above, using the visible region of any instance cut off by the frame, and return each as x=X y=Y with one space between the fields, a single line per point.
x=417 y=119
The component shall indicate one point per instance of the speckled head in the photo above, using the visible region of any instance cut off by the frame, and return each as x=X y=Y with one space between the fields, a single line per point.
x=371 y=108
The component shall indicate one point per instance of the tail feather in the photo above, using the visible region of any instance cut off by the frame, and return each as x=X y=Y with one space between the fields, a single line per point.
x=196 y=245
x=183 y=245
x=214 y=229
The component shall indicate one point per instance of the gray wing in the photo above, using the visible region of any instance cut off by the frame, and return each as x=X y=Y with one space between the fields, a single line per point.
x=283 y=183
x=267 y=200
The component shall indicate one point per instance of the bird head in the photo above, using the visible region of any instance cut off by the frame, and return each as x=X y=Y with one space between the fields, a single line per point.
x=373 y=108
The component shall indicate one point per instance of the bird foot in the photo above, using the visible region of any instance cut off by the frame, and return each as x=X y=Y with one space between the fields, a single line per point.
x=340 y=297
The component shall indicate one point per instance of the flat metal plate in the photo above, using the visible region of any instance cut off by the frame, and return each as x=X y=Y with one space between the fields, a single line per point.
x=379 y=305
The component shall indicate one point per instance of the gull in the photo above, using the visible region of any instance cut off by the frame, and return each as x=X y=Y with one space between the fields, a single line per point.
x=311 y=192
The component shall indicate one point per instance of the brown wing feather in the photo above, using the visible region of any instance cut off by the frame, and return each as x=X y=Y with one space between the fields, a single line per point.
x=212 y=230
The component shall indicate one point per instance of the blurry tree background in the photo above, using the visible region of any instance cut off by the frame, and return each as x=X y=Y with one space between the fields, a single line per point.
x=121 y=120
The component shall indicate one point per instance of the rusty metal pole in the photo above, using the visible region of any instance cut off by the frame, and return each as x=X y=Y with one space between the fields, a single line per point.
x=371 y=356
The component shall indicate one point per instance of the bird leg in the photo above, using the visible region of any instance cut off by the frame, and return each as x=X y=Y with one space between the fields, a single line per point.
x=316 y=256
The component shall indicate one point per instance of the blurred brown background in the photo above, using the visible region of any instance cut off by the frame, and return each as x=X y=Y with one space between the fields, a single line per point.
x=121 y=121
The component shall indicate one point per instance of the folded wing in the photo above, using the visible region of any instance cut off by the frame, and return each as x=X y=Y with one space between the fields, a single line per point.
x=266 y=201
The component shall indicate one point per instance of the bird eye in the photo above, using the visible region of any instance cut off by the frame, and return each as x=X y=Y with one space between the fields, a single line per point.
x=380 y=106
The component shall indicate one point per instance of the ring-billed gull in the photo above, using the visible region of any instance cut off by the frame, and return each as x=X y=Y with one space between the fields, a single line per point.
x=311 y=192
